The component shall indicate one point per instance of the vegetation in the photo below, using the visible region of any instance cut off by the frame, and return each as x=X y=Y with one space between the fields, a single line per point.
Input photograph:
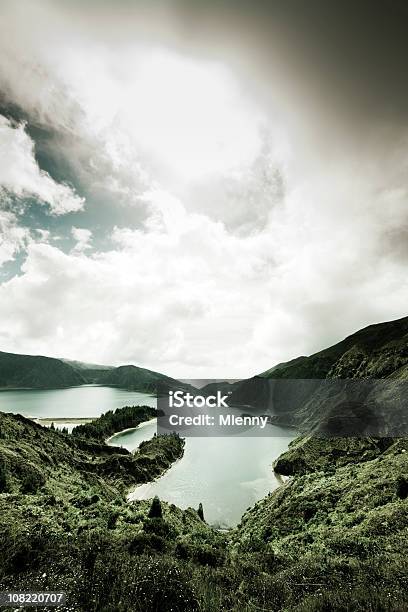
x=335 y=533
x=112 y=421
x=38 y=372
x=29 y=371
x=155 y=509
x=65 y=522
x=320 y=398
x=377 y=351
x=139 y=379
x=333 y=537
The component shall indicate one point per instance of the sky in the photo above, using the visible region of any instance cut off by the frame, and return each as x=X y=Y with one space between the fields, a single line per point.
x=204 y=189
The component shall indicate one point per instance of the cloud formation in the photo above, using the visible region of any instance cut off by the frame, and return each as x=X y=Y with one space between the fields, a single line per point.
x=232 y=220
x=21 y=176
x=82 y=237
x=12 y=236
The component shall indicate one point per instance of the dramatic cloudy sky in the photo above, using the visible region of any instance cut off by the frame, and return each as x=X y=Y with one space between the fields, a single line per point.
x=204 y=189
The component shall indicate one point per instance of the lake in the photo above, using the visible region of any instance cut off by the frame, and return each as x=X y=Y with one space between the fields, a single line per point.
x=74 y=402
x=227 y=475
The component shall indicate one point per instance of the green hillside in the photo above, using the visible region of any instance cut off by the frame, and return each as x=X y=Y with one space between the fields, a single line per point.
x=137 y=379
x=66 y=524
x=335 y=536
x=377 y=351
x=304 y=391
x=37 y=372
x=331 y=538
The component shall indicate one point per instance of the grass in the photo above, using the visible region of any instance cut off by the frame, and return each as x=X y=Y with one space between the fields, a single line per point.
x=333 y=538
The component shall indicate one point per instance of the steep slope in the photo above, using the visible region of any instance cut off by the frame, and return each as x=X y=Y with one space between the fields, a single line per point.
x=32 y=371
x=43 y=459
x=377 y=351
x=66 y=525
x=335 y=536
x=300 y=393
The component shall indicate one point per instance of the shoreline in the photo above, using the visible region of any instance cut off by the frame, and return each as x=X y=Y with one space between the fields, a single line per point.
x=70 y=420
x=140 y=426
x=150 y=483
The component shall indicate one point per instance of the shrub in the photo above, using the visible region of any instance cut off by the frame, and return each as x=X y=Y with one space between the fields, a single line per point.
x=32 y=480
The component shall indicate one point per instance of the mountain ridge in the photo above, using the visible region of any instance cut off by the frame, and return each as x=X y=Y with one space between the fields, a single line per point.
x=378 y=351
x=18 y=371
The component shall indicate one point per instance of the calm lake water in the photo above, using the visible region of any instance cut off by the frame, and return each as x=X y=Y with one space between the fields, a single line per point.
x=74 y=402
x=226 y=474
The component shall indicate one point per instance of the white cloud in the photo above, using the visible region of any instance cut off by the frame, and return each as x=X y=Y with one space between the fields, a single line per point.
x=136 y=115
x=21 y=175
x=83 y=237
x=43 y=235
x=185 y=296
x=268 y=234
x=12 y=237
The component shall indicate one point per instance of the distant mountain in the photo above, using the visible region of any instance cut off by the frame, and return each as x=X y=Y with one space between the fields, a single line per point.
x=376 y=352
x=92 y=372
x=212 y=388
x=82 y=365
x=137 y=379
x=37 y=372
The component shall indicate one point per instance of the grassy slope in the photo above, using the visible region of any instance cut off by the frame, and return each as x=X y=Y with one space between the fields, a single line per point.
x=66 y=524
x=375 y=352
x=335 y=537
x=335 y=533
x=38 y=458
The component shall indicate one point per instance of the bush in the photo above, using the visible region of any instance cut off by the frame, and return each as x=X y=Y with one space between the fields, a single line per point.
x=146 y=543
x=159 y=527
x=32 y=480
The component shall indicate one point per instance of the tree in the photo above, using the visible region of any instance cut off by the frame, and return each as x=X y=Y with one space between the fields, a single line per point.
x=155 y=509
x=3 y=476
x=402 y=487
